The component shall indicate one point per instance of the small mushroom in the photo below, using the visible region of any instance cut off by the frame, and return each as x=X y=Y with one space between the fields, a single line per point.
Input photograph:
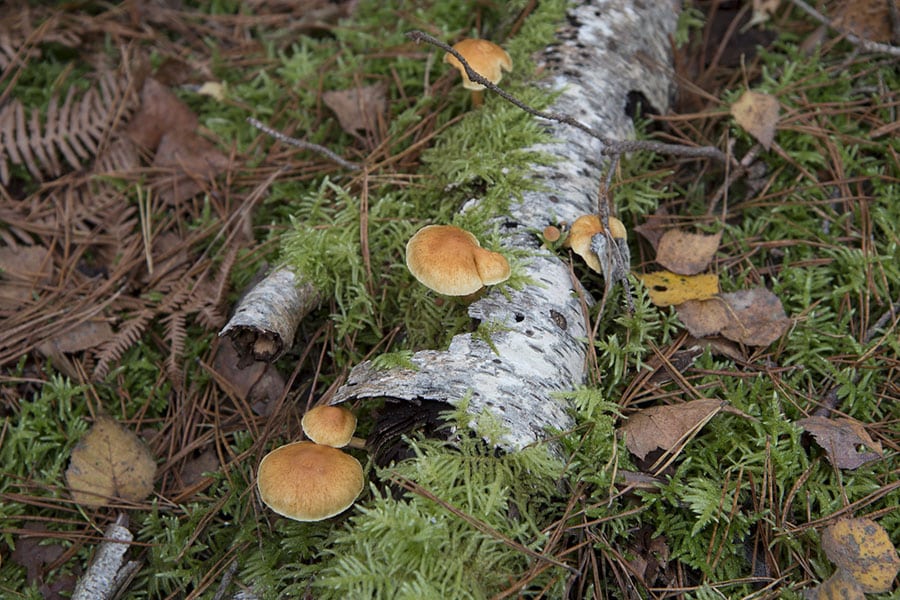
x=583 y=229
x=486 y=58
x=331 y=426
x=306 y=481
x=450 y=261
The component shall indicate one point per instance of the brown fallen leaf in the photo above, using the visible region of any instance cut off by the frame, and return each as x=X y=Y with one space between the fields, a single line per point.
x=757 y=114
x=841 y=438
x=704 y=317
x=195 y=469
x=863 y=548
x=653 y=228
x=84 y=336
x=687 y=253
x=868 y=19
x=753 y=317
x=110 y=462
x=259 y=383
x=187 y=161
x=666 y=288
x=21 y=269
x=666 y=426
x=358 y=109
x=33 y=553
x=161 y=111
x=759 y=317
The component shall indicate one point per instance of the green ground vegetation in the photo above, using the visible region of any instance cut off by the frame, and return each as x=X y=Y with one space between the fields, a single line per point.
x=459 y=519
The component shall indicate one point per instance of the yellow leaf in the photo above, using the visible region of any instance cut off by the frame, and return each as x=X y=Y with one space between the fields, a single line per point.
x=666 y=288
x=863 y=548
x=110 y=462
x=840 y=586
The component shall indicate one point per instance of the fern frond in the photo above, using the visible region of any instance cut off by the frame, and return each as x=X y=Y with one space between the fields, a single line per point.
x=113 y=350
x=176 y=333
x=73 y=131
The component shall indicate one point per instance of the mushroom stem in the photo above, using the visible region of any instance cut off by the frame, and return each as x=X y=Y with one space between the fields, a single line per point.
x=356 y=442
x=477 y=98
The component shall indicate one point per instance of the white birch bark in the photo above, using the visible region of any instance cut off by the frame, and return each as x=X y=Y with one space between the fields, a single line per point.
x=108 y=572
x=266 y=319
x=608 y=49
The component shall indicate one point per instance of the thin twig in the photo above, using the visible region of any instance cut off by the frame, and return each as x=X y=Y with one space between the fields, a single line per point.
x=304 y=145
x=611 y=146
x=867 y=45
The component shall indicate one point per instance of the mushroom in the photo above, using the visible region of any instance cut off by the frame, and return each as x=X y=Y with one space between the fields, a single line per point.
x=331 y=426
x=583 y=229
x=450 y=261
x=486 y=58
x=306 y=481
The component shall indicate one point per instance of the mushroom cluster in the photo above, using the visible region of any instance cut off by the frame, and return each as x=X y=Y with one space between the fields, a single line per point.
x=314 y=480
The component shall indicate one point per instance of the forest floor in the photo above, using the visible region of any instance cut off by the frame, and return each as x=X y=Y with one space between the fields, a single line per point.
x=748 y=460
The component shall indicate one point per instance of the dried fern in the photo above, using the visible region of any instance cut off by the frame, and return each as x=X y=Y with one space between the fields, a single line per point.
x=124 y=339
x=20 y=37
x=73 y=131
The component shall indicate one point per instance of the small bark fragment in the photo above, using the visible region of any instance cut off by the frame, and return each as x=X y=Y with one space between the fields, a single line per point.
x=107 y=573
x=264 y=322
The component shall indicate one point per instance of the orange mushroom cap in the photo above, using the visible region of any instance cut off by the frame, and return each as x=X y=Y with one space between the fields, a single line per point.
x=305 y=481
x=450 y=261
x=329 y=425
x=486 y=58
x=581 y=232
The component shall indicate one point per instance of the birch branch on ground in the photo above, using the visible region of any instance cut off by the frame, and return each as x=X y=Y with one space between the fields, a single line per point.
x=607 y=51
x=108 y=572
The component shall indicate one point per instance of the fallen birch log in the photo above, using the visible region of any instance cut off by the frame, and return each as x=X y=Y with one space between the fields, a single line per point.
x=607 y=52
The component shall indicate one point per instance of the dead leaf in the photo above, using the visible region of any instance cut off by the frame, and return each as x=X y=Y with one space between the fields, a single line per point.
x=188 y=161
x=195 y=469
x=214 y=89
x=84 y=336
x=758 y=317
x=841 y=438
x=358 y=109
x=863 y=548
x=34 y=555
x=160 y=112
x=667 y=288
x=687 y=253
x=757 y=114
x=259 y=384
x=655 y=226
x=753 y=317
x=704 y=317
x=868 y=19
x=109 y=462
x=21 y=269
x=666 y=426
x=840 y=586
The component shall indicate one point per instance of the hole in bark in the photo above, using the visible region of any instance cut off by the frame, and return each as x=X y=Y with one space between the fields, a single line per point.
x=519 y=317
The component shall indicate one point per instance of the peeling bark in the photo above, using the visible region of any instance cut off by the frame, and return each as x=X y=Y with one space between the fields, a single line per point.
x=608 y=51
x=263 y=325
